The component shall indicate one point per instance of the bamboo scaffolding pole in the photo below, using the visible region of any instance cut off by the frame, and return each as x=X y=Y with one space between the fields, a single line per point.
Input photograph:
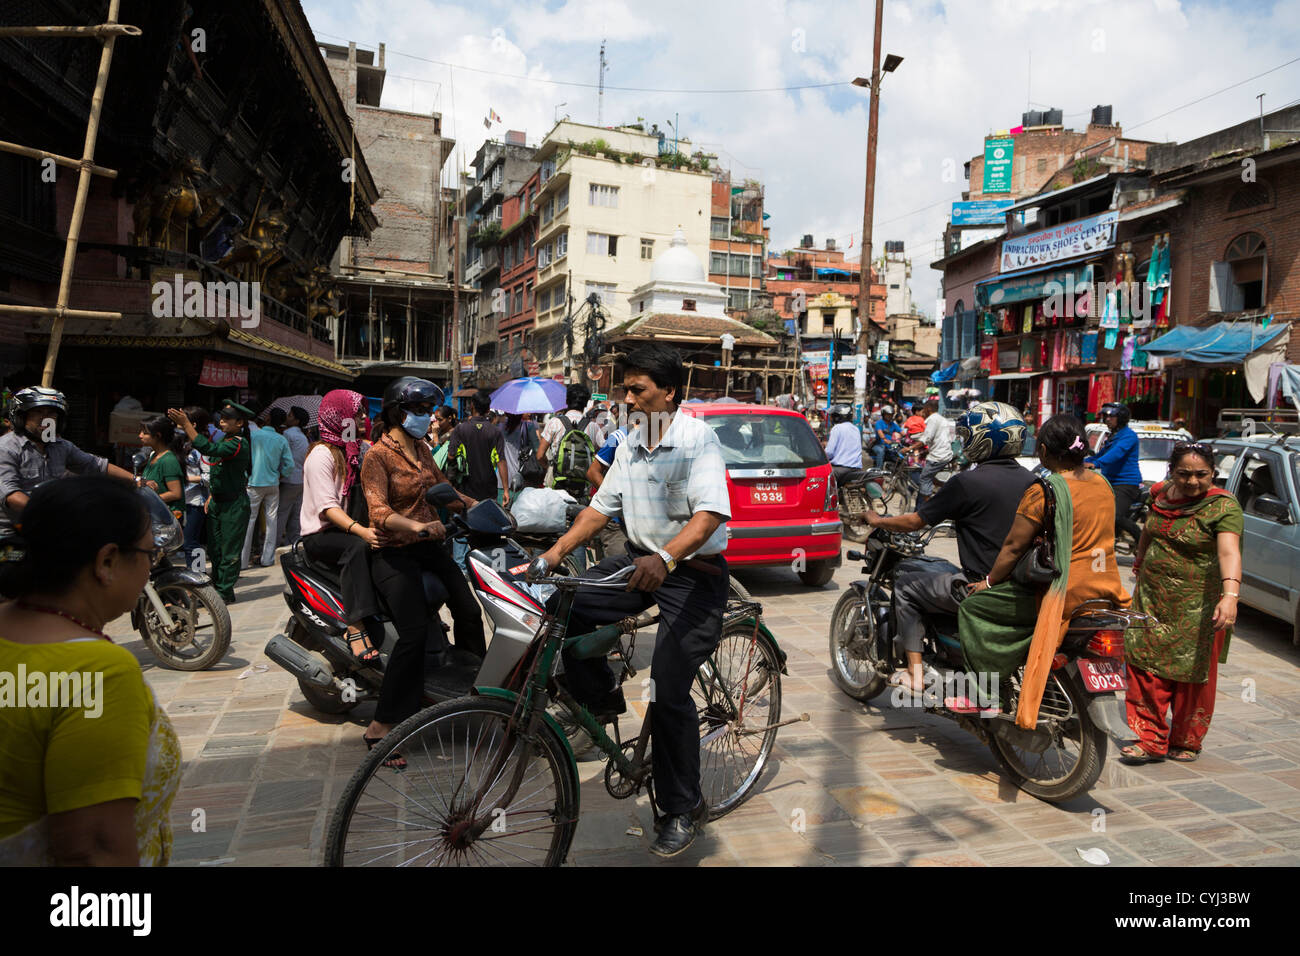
x=60 y=160
x=108 y=38
x=41 y=311
x=111 y=30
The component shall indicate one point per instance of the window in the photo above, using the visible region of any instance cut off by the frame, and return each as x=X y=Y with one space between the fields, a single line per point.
x=1042 y=165
x=601 y=244
x=548 y=169
x=647 y=249
x=519 y=301
x=828 y=322
x=605 y=291
x=600 y=195
x=508 y=256
x=543 y=301
x=532 y=195
x=1249 y=196
x=1240 y=282
x=528 y=294
x=740 y=265
x=562 y=200
x=544 y=256
x=496 y=177
x=561 y=245
x=688 y=305
x=548 y=211
x=718 y=228
x=738 y=299
x=717 y=263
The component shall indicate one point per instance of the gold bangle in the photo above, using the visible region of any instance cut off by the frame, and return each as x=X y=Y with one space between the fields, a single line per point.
x=1232 y=594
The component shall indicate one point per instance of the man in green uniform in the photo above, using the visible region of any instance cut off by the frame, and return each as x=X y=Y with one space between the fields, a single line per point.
x=228 y=508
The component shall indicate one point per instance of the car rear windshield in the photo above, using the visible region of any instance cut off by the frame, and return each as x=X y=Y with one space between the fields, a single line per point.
x=1156 y=449
x=752 y=441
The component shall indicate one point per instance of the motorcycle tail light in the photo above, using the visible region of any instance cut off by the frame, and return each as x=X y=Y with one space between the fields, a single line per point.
x=1106 y=644
x=1059 y=661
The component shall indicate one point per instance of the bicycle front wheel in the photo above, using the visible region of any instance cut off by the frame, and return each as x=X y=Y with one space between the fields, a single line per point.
x=738 y=695
x=454 y=804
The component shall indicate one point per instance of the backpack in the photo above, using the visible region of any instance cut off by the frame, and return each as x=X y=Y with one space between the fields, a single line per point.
x=575 y=452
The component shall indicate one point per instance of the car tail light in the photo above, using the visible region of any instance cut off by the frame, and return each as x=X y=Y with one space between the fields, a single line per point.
x=1107 y=644
x=832 y=502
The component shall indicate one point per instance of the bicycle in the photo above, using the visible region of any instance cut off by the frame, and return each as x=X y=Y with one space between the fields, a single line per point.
x=509 y=787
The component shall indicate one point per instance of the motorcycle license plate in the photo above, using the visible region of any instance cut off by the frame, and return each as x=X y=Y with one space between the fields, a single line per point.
x=767 y=493
x=1101 y=676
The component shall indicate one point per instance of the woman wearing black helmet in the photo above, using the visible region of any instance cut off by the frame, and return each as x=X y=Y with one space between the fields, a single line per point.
x=396 y=473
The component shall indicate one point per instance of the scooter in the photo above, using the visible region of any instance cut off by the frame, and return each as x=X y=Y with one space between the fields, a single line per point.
x=179 y=615
x=1063 y=755
x=313 y=645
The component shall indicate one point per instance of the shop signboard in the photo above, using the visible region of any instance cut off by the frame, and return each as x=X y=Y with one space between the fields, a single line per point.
x=467 y=362
x=981 y=212
x=1067 y=282
x=1066 y=241
x=816 y=358
x=218 y=374
x=882 y=350
x=998 y=154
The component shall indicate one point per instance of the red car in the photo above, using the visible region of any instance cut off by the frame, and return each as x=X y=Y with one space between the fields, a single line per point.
x=784 y=509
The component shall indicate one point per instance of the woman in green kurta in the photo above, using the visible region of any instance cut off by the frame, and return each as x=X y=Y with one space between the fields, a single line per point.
x=228 y=509
x=1188 y=567
x=164 y=473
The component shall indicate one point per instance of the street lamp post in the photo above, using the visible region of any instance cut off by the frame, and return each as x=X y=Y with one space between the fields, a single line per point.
x=868 y=203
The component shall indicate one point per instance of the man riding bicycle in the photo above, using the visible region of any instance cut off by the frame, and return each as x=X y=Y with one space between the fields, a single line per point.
x=668 y=483
x=981 y=502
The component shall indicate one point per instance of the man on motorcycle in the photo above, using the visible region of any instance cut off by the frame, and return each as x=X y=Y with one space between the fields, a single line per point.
x=33 y=453
x=1118 y=463
x=844 y=443
x=669 y=484
x=937 y=436
x=981 y=502
x=888 y=434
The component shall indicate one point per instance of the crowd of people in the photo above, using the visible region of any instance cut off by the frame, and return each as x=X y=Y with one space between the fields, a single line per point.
x=76 y=549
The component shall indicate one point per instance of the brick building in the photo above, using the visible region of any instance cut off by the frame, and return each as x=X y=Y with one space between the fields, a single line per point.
x=737 y=240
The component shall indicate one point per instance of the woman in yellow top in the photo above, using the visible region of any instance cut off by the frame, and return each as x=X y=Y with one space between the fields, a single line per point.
x=89 y=763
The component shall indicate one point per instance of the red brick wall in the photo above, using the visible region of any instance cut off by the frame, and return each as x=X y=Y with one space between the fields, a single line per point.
x=1205 y=229
x=959 y=278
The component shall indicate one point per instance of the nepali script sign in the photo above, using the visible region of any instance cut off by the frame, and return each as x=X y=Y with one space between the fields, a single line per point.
x=1065 y=241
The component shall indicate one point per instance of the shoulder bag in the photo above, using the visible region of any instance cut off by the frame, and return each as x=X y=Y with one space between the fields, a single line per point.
x=1037 y=566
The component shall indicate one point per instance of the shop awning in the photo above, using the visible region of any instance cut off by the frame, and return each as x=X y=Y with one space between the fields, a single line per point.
x=1009 y=376
x=1218 y=344
x=1032 y=283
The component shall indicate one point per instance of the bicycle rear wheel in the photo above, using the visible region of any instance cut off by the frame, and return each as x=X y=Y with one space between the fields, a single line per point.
x=738 y=696
x=443 y=810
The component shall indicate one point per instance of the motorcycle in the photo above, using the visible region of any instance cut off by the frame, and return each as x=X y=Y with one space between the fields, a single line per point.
x=860 y=490
x=1125 y=543
x=179 y=615
x=1063 y=755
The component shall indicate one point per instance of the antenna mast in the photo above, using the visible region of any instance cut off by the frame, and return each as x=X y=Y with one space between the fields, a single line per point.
x=600 y=96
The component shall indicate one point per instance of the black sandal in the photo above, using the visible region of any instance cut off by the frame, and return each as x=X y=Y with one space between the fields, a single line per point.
x=369 y=653
x=1134 y=754
x=391 y=762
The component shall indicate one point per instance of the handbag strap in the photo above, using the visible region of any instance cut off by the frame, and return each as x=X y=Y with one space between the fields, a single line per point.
x=1049 y=509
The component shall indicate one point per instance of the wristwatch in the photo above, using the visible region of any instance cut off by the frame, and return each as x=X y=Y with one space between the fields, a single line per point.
x=667 y=559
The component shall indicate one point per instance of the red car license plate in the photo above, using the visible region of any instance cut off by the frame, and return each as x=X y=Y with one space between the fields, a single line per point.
x=1101 y=676
x=767 y=493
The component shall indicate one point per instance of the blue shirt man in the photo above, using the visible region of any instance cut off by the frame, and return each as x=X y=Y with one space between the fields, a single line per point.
x=1118 y=458
x=888 y=434
x=844 y=446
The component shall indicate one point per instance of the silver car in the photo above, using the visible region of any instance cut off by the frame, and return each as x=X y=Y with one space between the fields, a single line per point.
x=1264 y=473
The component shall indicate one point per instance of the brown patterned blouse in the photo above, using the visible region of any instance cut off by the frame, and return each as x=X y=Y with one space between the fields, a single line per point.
x=394 y=483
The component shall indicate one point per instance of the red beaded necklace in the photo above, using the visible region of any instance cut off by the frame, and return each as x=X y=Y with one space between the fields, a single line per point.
x=64 y=614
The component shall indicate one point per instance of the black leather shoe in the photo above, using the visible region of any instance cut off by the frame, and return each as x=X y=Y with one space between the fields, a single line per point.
x=679 y=831
x=608 y=708
x=699 y=815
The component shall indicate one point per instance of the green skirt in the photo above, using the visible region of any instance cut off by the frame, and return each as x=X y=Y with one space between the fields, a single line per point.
x=996 y=627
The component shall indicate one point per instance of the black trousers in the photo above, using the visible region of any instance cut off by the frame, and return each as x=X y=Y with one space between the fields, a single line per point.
x=1125 y=495
x=691 y=604
x=351 y=557
x=396 y=573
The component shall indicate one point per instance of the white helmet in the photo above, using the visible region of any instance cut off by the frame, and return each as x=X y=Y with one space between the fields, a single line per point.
x=886 y=409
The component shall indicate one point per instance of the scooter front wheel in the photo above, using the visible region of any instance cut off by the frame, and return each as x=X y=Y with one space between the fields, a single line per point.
x=196 y=636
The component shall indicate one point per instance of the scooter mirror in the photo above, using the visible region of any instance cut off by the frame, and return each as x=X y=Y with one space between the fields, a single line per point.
x=443 y=495
x=139 y=460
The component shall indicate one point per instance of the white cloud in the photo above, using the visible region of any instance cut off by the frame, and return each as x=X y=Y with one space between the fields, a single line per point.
x=969 y=68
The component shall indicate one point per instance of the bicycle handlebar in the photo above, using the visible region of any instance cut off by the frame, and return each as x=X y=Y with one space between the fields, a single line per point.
x=539 y=573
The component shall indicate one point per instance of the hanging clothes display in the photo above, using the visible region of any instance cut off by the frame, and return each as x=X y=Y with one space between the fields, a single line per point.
x=989 y=326
x=1006 y=322
x=1126 y=356
x=1088 y=349
x=1027 y=322
x=1072 y=348
x=1112 y=336
x=1158 y=271
x=1110 y=310
x=1058 y=352
x=1101 y=393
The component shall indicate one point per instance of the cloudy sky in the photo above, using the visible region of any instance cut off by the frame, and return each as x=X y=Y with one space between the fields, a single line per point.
x=970 y=68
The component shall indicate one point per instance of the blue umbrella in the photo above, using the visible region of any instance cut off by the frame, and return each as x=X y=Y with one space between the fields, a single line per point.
x=530 y=395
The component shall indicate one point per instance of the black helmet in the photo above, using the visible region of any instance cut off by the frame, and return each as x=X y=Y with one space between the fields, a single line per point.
x=409 y=390
x=842 y=413
x=37 y=397
x=1119 y=410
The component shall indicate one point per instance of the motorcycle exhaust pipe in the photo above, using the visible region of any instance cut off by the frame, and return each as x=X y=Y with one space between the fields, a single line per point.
x=300 y=662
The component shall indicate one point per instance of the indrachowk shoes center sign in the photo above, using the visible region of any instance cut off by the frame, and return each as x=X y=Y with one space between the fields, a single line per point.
x=1066 y=241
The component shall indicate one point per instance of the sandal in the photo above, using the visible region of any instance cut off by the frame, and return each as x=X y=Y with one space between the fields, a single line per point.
x=901 y=678
x=1134 y=754
x=368 y=653
x=1183 y=754
x=964 y=705
x=394 y=761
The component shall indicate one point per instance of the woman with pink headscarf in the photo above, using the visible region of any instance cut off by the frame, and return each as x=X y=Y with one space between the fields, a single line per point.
x=335 y=526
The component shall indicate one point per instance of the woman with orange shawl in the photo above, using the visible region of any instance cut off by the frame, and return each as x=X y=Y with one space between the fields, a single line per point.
x=1004 y=624
x=1188 y=564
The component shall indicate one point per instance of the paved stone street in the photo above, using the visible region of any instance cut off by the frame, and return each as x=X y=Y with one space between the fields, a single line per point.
x=873 y=785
